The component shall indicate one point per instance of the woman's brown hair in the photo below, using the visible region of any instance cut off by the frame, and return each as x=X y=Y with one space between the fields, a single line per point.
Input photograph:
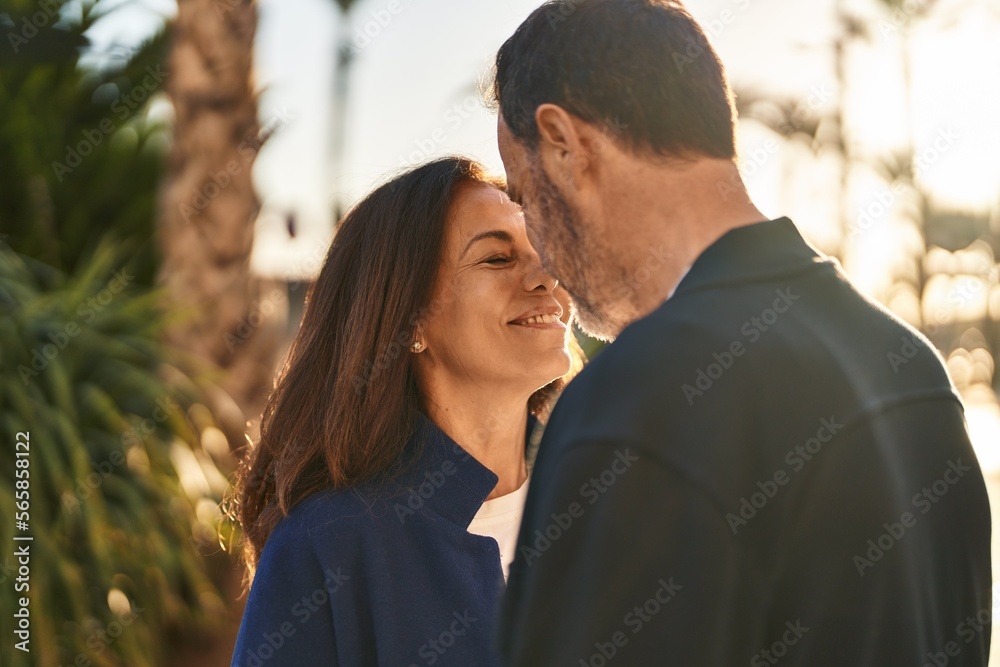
x=346 y=402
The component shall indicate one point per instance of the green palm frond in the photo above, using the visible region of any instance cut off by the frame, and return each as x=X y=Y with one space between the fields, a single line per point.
x=109 y=512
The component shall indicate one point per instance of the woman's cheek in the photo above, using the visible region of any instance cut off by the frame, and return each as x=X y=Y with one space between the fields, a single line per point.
x=562 y=296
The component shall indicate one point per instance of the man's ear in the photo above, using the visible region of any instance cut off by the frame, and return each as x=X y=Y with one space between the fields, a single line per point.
x=562 y=142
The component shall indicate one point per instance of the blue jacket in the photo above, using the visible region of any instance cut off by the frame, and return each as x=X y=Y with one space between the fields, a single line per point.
x=381 y=576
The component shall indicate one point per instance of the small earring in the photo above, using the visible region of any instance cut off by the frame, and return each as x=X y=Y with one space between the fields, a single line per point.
x=417 y=346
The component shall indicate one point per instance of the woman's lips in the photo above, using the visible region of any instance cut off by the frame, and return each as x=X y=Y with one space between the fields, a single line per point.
x=557 y=325
x=538 y=318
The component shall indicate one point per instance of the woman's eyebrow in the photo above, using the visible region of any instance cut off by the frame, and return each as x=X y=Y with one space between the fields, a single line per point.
x=493 y=233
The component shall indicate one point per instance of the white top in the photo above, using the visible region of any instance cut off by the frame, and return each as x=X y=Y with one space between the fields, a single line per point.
x=500 y=518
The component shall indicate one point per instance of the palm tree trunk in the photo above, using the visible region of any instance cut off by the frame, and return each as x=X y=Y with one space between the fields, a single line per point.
x=209 y=206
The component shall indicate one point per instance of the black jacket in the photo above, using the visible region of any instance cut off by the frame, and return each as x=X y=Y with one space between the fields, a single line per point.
x=768 y=469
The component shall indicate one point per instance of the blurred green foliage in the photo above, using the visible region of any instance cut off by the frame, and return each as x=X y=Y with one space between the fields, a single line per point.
x=123 y=496
x=77 y=155
x=123 y=499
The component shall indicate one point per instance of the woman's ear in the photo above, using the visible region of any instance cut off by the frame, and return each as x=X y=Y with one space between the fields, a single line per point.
x=419 y=342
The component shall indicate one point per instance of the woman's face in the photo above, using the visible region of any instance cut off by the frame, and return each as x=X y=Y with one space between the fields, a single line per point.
x=496 y=318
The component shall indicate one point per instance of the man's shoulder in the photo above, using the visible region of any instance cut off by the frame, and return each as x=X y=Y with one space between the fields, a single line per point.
x=710 y=319
x=637 y=388
x=665 y=339
x=749 y=336
x=655 y=357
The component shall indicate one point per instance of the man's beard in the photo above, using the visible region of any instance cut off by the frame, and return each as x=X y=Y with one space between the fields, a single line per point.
x=567 y=253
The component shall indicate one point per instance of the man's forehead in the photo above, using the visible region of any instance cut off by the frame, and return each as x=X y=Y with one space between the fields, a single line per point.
x=503 y=137
x=510 y=154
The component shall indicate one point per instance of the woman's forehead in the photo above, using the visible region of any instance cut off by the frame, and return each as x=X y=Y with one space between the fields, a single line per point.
x=479 y=208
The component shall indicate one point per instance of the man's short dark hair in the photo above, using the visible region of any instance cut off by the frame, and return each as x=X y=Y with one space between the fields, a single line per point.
x=642 y=68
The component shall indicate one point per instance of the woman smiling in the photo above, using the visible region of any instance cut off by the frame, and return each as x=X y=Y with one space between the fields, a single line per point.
x=382 y=502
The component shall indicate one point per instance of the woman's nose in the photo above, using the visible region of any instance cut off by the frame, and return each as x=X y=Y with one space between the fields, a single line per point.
x=538 y=276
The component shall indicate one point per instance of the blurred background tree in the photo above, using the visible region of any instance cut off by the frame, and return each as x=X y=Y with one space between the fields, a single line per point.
x=72 y=138
x=209 y=206
x=944 y=272
x=344 y=58
x=132 y=402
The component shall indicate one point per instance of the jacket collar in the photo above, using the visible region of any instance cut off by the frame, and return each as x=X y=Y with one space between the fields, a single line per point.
x=764 y=249
x=444 y=477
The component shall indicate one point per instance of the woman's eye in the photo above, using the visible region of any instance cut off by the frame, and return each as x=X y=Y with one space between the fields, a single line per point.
x=498 y=260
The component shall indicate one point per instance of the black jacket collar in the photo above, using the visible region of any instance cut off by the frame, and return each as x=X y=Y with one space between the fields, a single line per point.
x=445 y=477
x=760 y=250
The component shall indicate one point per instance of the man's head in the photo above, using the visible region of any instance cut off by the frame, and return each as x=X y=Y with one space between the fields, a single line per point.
x=591 y=93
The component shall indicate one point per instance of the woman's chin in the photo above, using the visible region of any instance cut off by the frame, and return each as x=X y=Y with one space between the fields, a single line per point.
x=551 y=367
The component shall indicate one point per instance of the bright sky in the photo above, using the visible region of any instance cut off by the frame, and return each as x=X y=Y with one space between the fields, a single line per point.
x=413 y=97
